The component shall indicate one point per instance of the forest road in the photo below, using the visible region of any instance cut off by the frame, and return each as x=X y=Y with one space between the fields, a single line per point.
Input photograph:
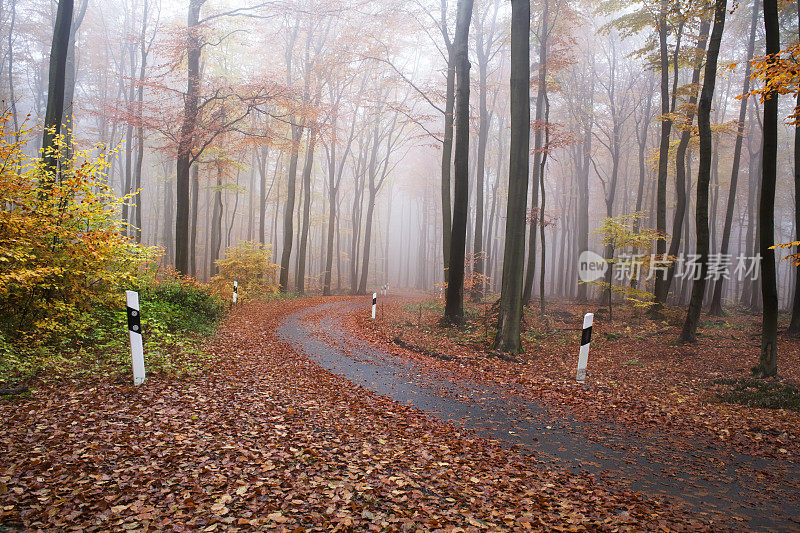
x=737 y=491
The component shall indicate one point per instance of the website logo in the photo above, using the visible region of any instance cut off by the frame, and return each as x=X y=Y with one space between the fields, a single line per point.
x=591 y=266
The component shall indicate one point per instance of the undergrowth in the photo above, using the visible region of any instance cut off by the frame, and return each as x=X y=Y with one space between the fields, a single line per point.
x=768 y=394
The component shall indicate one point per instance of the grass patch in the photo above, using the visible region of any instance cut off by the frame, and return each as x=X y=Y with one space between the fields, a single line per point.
x=766 y=394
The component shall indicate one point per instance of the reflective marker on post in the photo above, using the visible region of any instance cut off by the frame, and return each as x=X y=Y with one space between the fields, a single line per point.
x=135 y=331
x=583 y=356
x=374 y=303
x=235 y=289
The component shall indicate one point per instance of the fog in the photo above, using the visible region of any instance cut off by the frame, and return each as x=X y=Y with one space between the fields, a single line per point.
x=294 y=110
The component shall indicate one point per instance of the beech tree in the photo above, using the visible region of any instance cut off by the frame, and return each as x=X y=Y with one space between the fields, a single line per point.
x=768 y=361
x=689 y=332
x=55 y=86
x=508 y=328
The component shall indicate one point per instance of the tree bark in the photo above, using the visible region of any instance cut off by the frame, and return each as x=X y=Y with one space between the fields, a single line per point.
x=680 y=153
x=663 y=150
x=794 y=324
x=536 y=217
x=768 y=361
x=716 y=301
x=689 y=333
x=195 y=174
x=454 y=302
x=300 y=282
x=447 y=144
x=186 y=143
x=216 y=227
x=55 y=88
x=508 y=334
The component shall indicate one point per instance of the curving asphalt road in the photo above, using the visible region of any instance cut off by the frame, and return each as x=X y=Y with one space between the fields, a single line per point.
x=737 y=491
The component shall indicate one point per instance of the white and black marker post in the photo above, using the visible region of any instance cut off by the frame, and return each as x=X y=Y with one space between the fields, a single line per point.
x=374 y=303
x=135 y=331
x=583 y=355
x=235 y=290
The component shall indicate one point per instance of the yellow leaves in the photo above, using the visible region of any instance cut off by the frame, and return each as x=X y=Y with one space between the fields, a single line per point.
x=794 y=258
x=62 y=248
x=250 y=264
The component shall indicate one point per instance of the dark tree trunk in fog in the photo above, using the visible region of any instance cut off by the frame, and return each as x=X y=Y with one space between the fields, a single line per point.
x=542 y=224
x=216 y=227
x=333 y=192
x=768 y=361
x=288 y=214
x=143 y=53
x=262 y=193
x=70 y=76
x=302 y=251
x=11 y=96
x=716 y=302
x=689 y=333
x=55 y=87
x=454 y=303
x=583 y=180
x=375 y=183
x=447 y=142
x=195 y=173
x=680 y=153
x=508 y=334
x=186 y=143
x=169 y=244
x=794 y=325
x=641 y=139
x=537 y=217
x=483 y=49
x=663 y=150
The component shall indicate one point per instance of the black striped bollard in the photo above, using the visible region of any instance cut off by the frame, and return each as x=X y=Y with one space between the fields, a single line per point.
x=135 y=331
x=374 y=303
x=586 y=339
x=235 y=290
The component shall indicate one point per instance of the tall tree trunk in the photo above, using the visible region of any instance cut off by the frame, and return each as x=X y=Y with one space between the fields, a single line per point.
x=70 y=76
x=186 y=142
x=480 y=168
x=768 y=361
x=143 y=52
x=508 y=334
x=447 y=154
x=454 y=302
x=55 y=87
x=794 y=324
x=300 y=282
x=542 y=223
x=288 y=214
x=332 y=204
x=168 y=236
x=262 y=194
x=641 y=138
x=583 y=182
x=663 y=150
x=216 y=227
x=689 y=333
x=11 y=96
x=537 y=156
x=716 y=301
x=195 y=174
x=680 y=153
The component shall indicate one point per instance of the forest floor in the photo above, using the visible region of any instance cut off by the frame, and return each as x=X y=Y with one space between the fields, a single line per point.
x=267 y=439
x=644 y=393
